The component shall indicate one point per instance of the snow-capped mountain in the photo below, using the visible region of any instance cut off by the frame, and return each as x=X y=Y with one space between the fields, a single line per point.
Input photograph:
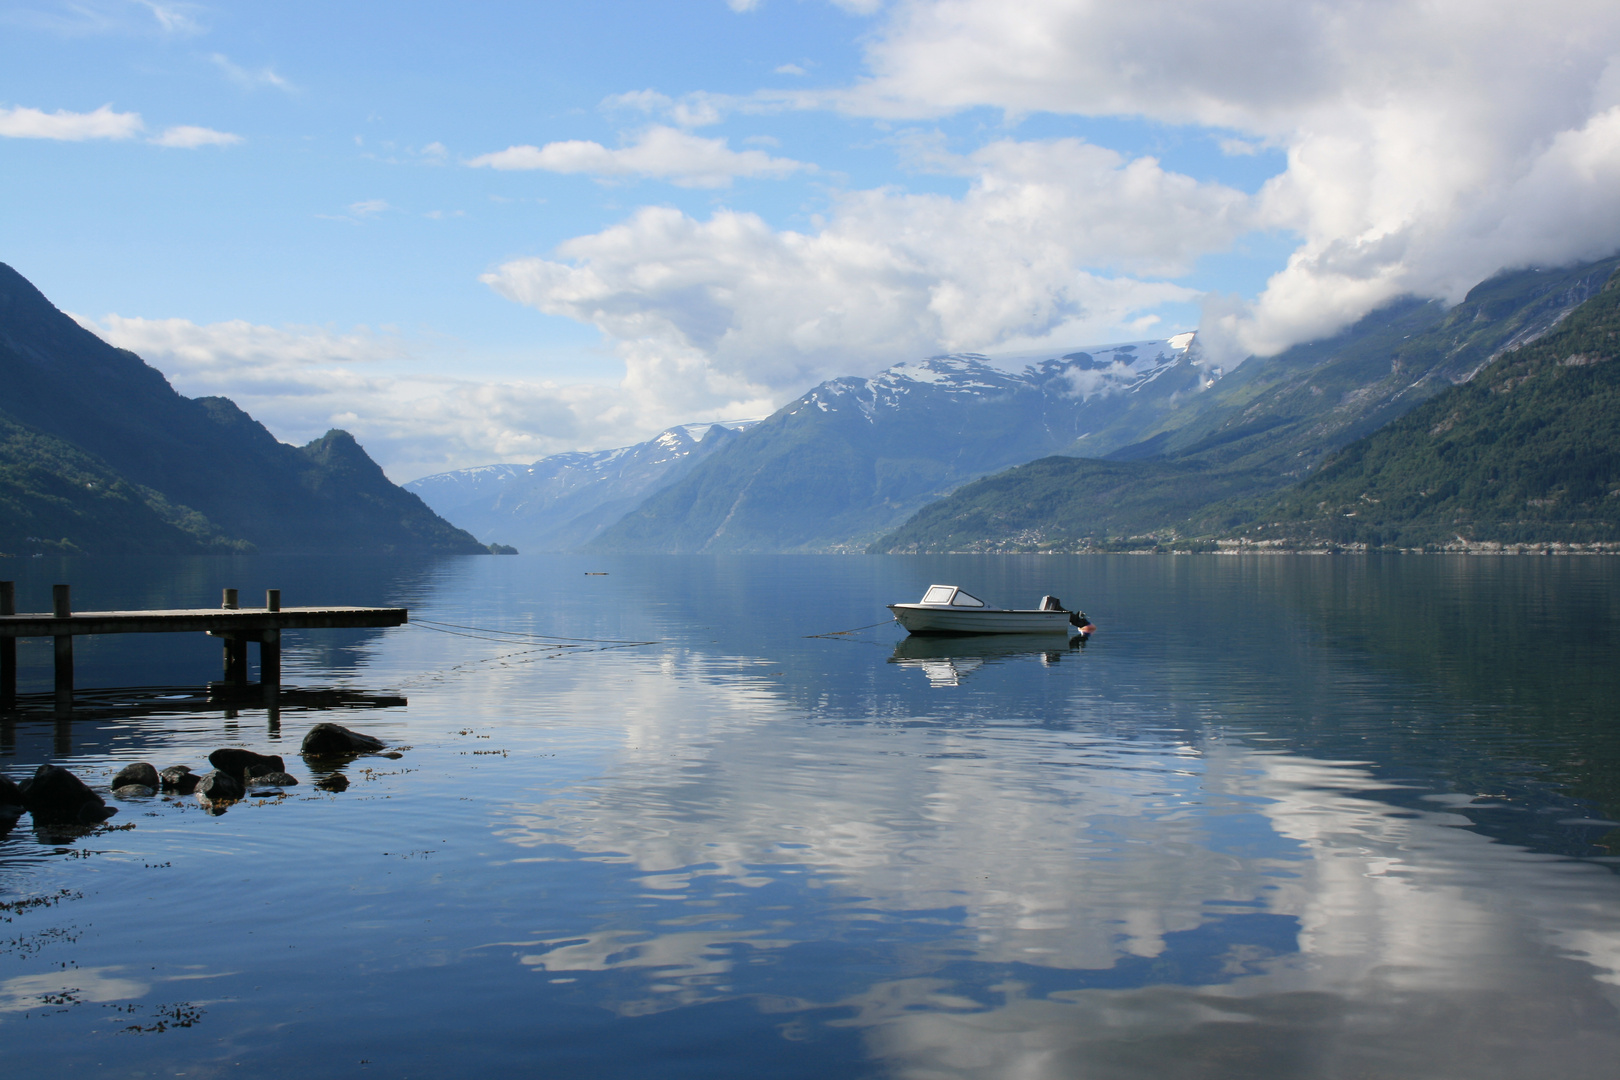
x=855 y=455
x=1093 y=373
x=561 y=501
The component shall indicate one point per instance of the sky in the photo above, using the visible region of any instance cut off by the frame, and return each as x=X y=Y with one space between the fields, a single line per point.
x=472 y=233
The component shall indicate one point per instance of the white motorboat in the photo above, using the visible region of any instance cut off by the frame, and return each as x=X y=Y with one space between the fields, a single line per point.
x=947 y=609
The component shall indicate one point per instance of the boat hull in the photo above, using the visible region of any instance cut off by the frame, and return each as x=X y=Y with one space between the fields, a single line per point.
x=933 y=619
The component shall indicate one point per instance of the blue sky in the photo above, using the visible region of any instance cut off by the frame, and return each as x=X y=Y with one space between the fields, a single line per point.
x=488 y=232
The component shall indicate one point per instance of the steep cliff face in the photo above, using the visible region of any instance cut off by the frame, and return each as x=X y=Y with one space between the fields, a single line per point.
x=208 y=469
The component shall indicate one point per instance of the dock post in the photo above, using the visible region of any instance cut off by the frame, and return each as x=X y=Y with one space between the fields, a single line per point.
x=270 y=661
x=236 y=666
x=270 y=657
x=62 y=608
x=8 y=648
x=270 y=665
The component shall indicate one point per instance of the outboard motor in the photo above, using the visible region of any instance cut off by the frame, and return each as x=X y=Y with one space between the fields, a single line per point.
x=1078 y=620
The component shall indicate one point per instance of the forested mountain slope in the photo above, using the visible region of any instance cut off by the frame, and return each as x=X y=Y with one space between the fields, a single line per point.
x=1526 y=452
x=99 y=453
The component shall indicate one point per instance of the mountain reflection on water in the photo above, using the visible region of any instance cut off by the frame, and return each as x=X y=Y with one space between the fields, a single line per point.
x=1282 y=818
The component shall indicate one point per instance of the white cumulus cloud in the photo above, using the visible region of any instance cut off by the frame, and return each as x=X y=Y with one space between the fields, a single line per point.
x=21 y=122
x=660 y=152
x=1429 y=142
x=1054 y=241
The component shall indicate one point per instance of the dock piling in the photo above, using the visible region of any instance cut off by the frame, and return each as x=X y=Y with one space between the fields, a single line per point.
x=62 y=608
x=236 y=664
x=270 y=652
x=8 y=648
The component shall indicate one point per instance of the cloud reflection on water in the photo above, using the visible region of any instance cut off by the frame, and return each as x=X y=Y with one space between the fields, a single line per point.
x=1104 y=856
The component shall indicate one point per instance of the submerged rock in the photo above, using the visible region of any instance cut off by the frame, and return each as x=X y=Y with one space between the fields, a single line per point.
x=335 y=782
x=237 y=762
x=270 y=779
x=331 y=740
x=56 y=795
x=10 y=793
x=220 y=786
x=140 y=773
x=179 y=778
x=133 y=791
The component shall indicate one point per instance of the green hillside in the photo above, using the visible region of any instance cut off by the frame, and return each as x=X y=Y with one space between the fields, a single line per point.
x=1527 y=452
x=1066 y=504
x=1286 y=413
x=98 y=453
x=56 y=498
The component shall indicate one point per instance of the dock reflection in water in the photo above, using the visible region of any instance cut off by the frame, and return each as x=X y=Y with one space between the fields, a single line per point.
x=948 y=659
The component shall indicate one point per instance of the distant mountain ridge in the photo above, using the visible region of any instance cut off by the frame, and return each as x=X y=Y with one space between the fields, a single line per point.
x=564 y=500
x=1213 y=462
x=99 y=454
x=854 y=456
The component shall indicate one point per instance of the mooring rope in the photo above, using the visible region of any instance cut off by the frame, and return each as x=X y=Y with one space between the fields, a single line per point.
x=855 y=630
x=433 y=624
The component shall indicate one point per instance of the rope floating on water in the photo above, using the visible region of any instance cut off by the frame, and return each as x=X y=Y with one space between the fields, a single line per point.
x=855 y=630
x=514 y=637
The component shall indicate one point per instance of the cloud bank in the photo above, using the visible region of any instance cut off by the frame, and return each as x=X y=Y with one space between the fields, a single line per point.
x=300 y=381
x=1427 y=146
x=735 y=306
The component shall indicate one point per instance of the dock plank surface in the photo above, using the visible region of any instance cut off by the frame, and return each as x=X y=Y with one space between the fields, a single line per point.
x=180 y=620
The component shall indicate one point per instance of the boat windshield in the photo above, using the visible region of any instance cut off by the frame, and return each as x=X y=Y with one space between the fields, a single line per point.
x=950 y=595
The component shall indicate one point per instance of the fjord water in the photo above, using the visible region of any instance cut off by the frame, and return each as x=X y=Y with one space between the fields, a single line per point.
x=1282 y=817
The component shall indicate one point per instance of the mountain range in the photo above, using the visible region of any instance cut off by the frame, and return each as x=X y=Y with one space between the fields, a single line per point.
x=99 y=454
x=1121 y=446
x=563 y=501
x=854 y=456
x=1235 y=463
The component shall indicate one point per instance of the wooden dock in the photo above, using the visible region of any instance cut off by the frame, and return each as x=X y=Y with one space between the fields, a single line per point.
x=235 y=625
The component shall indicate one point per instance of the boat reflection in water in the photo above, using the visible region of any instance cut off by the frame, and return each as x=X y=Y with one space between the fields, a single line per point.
x=946 y=661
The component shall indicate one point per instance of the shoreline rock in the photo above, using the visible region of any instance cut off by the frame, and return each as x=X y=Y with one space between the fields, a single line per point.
x=220 y=786
x=141 y=772
x=332 y=740
x=56 y=795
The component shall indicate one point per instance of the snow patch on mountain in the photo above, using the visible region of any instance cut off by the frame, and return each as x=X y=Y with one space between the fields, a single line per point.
x=1083 y=373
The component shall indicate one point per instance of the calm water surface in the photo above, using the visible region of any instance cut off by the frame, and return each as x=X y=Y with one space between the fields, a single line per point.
x=1283 y=817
